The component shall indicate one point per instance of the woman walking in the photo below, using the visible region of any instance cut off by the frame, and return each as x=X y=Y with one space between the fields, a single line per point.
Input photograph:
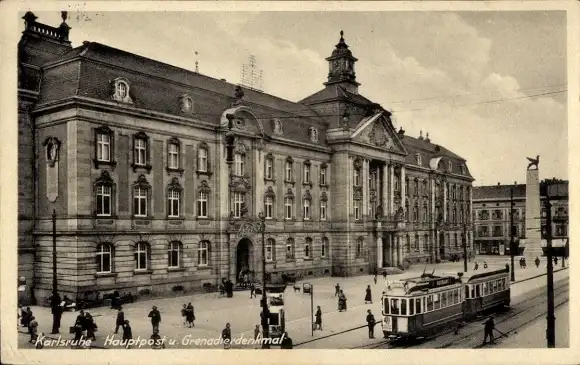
x=368 y=296
x=189 y=315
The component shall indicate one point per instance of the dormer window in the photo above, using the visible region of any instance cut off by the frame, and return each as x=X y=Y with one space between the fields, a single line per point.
x=313 y=133
x=121 y=91
x=463 y=169
x=419 y=159
x=449 y=166
x=186 y=104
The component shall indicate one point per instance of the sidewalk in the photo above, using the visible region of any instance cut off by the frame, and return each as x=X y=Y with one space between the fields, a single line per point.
x=242 y=312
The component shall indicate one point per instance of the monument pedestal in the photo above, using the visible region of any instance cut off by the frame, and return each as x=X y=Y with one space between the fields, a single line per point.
x=533 y=242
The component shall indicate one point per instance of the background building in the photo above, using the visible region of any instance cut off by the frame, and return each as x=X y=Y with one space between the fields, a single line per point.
x=491 y=214
x=130 y=154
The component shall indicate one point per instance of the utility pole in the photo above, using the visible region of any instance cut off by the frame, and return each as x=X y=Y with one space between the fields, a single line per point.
x=312 y=308
x=551 y=319
x=54 y=279
x=512 y=245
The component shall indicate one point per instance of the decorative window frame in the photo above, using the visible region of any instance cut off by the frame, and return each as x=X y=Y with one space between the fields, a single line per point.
x=141 y=182
x=416 y=187
x=147 y=269
x=272 y=195
x=183 y=99
x=450 y=166
x=359 y=247
x=147 y=166
x=323 y=166
x=324 y=242
x=289 y=160
x=180 y=262
x=203 y=188
x=277 y=127
x=270 y=242
x=175 y=185
x=98 y=253
x=115 y=87
x=307 y=164
x=292 y=243
x=270 y=157
x=105 y=180
x=307 y=197
x=208 y=250
x=290 y=195
x=308 y=242
x=106 y=131
x=175 y=141
x=313 y=135
x=208 y=172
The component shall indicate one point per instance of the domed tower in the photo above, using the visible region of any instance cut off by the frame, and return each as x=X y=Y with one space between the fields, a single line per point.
x=341 y=67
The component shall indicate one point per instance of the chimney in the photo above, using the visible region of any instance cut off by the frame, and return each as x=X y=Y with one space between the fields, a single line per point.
x=421 y=135
x=401 y=132
x=427 y=139
x=498 y=184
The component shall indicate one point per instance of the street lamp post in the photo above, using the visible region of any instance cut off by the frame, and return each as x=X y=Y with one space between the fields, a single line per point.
x=550 y=328
x=464 y=247
x=54 y=279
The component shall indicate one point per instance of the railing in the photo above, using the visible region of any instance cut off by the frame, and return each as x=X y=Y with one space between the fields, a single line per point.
x=46 y=30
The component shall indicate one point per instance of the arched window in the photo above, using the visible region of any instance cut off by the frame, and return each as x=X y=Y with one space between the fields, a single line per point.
x=290 y=249
x=104 y=258
x=141 y=197
x=142 y=256
x=324 y=247
x=174 y=191
x=270 y=250
x=174 y=254
x=307 y=247
x=203 y=253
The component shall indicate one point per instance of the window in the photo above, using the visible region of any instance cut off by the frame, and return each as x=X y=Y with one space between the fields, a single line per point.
x=497 y=231
x=443 y=300
x=429 y=303
x=203 y=253
x=359 y=247
x=173 y=200
x=238 y=201
x=104 y=200
x=140 y=201
x=306 y=176
x=142 y=256
x=415 y=214
x=436 y=301
x=140 y=151
x=419 y=160
x=103 y=147
x=484 y=214
x=407 y=187
x=238 y=164
x=424 y=187
x=416 y=242
x=270 y=250
x=356 y=208
x=416 y=187
x=323 y=210
x=324 y=247
x=454 y=214
x=289 y=176
x=394 y=306
x=306 y=208
x=122 y=90
x=356 y=177
x=269 y=168
x=290 y=248
x=418 y=305
x=407 y=210
x=323 y=174
x=307 y=247
x=288 y=204
x=425 y=213
x=449 y=165
x=174 y=255
x=268 y=205
x=173 y=156
x=104 y=258
x=202 y=204
x=202 y=159
x=404 y=307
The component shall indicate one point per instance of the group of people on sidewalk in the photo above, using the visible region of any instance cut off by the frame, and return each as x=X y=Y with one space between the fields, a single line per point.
x=188 y=315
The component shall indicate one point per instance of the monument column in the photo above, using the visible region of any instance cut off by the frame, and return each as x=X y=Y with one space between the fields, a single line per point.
x=533 y=241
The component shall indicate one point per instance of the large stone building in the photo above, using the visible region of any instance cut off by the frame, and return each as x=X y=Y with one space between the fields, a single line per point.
x=491 y=214
x=130 y=154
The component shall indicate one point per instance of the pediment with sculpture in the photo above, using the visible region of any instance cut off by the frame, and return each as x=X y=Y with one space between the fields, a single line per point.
x=378 y=132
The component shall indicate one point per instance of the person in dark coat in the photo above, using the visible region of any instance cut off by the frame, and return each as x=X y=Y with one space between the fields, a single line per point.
x=252 y=290
x=81 y=319
x=286 y=342
x=489 y=326
x=158 y=343
x=537 y=261
x=476 y=266
x=341 y=302
x=120 y=319
x=385 y=275
x=91 y=326
x=318 y=315
x=184 y=313
x=368 y=295
x=155 y=318
x=227 y=336
x=336 y=290
x=55 y=302
x=127 y=332
x=375 y=279
x=33 y=329
x=371 y=323
x=79 y=328
x=189 y=315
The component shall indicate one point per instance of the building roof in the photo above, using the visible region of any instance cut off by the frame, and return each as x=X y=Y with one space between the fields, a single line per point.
x=558 y=190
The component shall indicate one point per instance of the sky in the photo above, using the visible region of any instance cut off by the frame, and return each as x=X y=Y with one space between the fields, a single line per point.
x=489 y=86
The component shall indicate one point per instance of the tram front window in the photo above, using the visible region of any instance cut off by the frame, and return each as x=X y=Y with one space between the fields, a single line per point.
x=404 y=307
x=394 y=306
x=478 y=290
x=386 y=305
x=418 y=305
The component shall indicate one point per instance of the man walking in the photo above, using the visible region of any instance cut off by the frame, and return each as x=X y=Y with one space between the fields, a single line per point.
x=336 y=290
x=227 y=336
x=252 y=290
x=120 y=319
x=488 y=330
x=155 y=318
x=375 y=278
x=127 y=333
x=318 y=321
x=56 y=312
x=371 y=324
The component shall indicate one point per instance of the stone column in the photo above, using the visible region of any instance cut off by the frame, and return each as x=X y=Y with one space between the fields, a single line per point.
x=365 y=187
x=379 y=253
x=258 y=182
x=445 y=192
x=385 y=189
x=392 y=189
x=403 y=187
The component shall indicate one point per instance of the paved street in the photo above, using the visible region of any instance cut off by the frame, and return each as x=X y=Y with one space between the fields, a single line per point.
x=212 y=312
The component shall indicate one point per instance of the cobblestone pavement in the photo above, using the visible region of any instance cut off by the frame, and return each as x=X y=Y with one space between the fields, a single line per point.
x=212 y=312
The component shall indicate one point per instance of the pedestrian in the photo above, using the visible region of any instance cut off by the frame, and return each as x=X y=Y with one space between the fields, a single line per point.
x=485 y=265
x=318 y=316
x=368 y=295
x=371 y=323
x=256 y=332
x=476 y=266
x=190 y=315
x=79 y=327
x=56 y=311
x=384 y=275
x=252 y=290
x=81 y=319
x=26 y=317
x=537 y=261
x=227 y=336
x=286 y=342
x=341 y=302
x=336 y=290
x=488 y=330
x=22 y=317
x=33 y=329
x=507 y=267
x=555 y=260
x=521 y=265
x=91 y=326
x=120 y=319
x=375 y=278
x=127 y=333
x=184 y=313
x=155 y=318
x=157 y=342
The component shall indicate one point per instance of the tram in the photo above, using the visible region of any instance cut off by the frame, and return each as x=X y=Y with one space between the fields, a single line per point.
x=421 y=306
x=276 y=319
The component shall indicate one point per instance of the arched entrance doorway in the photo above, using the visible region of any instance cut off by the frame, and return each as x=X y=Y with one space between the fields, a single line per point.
x=244 y=256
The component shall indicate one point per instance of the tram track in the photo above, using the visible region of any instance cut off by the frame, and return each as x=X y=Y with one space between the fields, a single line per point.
x=525 y=305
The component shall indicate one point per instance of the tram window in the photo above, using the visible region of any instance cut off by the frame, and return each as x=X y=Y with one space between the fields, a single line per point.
x=477 y=290
x=495 y=286
x=394 y=306
x=485 y=288
x=436 y=301
x=467 y=291
x=443 y=300
x=429 y=303
x=386 y=305
x=456 y=296
x=404 y=307
x=418 y=305
x=472 y=291
x=411 y=307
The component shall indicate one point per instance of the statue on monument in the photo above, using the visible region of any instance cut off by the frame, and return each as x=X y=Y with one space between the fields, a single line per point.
x=533 y=162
